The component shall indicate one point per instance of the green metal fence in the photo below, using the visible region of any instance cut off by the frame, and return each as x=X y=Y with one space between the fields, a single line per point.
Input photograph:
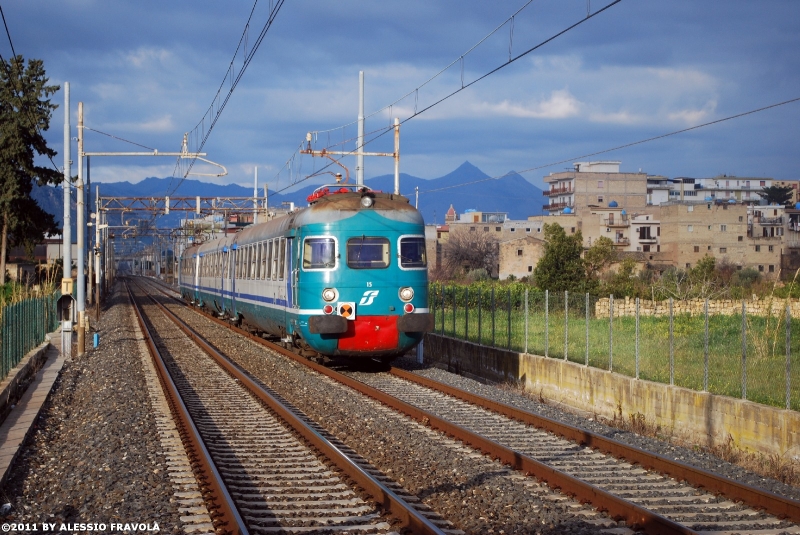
x=740 y=355
x=23 y=326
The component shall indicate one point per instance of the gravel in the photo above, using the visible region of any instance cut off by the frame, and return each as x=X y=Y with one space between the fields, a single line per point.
x=94 y=455
x=475 y=493
x=692 y=456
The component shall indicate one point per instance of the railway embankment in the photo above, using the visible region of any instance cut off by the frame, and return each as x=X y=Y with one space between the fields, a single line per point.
x=689 y=415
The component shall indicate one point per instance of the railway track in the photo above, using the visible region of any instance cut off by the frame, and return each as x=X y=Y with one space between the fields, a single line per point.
x=650 y=492
x=261 y=476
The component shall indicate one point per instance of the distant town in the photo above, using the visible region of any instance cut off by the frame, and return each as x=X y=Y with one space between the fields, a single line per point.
x=660 y=222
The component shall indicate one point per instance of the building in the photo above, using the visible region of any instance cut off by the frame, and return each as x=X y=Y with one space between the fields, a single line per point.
x=594 y=185
x=519 y=256
x=722 y=188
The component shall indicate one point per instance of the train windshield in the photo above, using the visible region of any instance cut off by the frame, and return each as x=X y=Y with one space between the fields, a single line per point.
x=319 y=253
x=412 y=252
x=365 y=252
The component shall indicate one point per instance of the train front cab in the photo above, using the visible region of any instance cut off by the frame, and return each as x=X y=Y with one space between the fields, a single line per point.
x=363 y=294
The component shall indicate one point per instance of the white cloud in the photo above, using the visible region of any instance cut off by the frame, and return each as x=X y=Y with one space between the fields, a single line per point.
x=560 y=105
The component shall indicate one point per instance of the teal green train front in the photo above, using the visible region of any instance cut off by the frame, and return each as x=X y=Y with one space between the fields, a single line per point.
x=360 y=276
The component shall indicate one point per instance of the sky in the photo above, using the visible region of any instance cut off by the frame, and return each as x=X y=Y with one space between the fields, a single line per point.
x=147 y=71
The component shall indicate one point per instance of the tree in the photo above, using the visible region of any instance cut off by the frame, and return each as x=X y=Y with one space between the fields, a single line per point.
x=561 y=266
x=781 y=195
x=25 y=112
x=469 y=251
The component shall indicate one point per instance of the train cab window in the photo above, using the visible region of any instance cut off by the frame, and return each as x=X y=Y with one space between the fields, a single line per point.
x=412 y=252
x=367 y=252
x=319 y=253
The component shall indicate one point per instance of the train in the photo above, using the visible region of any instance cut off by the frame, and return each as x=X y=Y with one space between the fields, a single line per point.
x=346 y=276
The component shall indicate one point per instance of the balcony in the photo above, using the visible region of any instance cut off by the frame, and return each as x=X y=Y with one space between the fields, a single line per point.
x=557 y=206
x=770 y=221
x=621 y=242
x=649 y=239
x=558 y=191
x=616 y=222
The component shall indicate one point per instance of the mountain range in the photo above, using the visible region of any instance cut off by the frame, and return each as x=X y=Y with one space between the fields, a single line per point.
x=467 y=187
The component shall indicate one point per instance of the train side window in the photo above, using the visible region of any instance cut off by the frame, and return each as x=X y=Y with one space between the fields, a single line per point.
x=319 y=253
x=251 y=268
x=237 y=264
x=282 y=259
x=366 y=252
x=270 y=271
x=264 y=251
x=258 y=260
x=412 y=252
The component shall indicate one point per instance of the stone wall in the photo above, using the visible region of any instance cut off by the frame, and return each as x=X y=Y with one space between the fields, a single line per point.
x=696 y=307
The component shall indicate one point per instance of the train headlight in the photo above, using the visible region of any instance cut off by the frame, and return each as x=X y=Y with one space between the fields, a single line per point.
x=366 y=201
x=329 y=294
x=407 y=293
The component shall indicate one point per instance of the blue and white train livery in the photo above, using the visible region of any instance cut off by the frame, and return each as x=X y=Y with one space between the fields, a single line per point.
x=346 y=276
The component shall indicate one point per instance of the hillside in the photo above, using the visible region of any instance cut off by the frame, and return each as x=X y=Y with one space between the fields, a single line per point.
x=465 y=187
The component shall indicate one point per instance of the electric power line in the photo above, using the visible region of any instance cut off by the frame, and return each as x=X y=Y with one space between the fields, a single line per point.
x=625 y=146
x=489 y=73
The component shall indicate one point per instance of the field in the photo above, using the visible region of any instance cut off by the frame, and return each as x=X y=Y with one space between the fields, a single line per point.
x=724 y=361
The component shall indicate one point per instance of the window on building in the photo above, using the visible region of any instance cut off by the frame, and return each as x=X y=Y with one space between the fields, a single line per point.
x=527 y=229
x=758 y=248
x=530 y=268
x=472 y=229
x=600 y=198
x=740 y=219
x=498 y=229
x=572 y=230
x=761 y=268
x=771 y=248
x=723 y=228
x=771 y=268
x=690 y=208
x=690 y=228
x=486 y=229
x=658 y=231
x=723 y=250
x=645 y=248
x=688 y=265
x=519 y=252
x=658 y=248
x=696 y=248
x=708 y=248
x=600 y=184
x=762 y=183
x=741 y=238
x=512 y=229
x=709 y=206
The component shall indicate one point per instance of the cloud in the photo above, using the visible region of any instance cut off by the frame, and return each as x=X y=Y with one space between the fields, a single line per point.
x=560 y=105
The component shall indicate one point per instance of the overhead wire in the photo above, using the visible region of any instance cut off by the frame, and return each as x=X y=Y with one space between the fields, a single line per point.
x=476 y=80
x=620 y=147
x=199 y=131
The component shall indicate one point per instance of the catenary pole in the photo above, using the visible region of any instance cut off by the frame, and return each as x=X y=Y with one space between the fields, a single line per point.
x=360 y=151
x=81 y=228
x=67 y=232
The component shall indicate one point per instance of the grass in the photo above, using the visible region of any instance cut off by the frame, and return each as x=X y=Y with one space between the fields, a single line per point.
x=613 y=345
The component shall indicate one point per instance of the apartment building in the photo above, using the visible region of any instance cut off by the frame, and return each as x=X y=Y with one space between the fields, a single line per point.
x=731 y=233
x=592 y=185
x=722 y=188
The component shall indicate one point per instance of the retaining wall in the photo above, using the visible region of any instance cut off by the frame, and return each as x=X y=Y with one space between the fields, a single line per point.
x=699 y=417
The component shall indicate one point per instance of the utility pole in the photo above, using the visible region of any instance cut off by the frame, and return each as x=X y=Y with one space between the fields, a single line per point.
x=66 y=281
x=360 y=151
x=255 y=197
x=81 y=228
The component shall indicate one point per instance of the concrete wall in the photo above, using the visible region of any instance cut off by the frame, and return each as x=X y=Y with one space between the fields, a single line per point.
x=699 y=417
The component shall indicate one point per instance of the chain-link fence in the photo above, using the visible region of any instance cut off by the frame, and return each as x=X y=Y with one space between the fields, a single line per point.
x=23 y=326
x=738 y=353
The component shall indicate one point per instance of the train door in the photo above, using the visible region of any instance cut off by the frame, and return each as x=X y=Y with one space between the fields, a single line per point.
x=227 y=280
x=290 y=279
x=196 y=281
x=235 y=269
